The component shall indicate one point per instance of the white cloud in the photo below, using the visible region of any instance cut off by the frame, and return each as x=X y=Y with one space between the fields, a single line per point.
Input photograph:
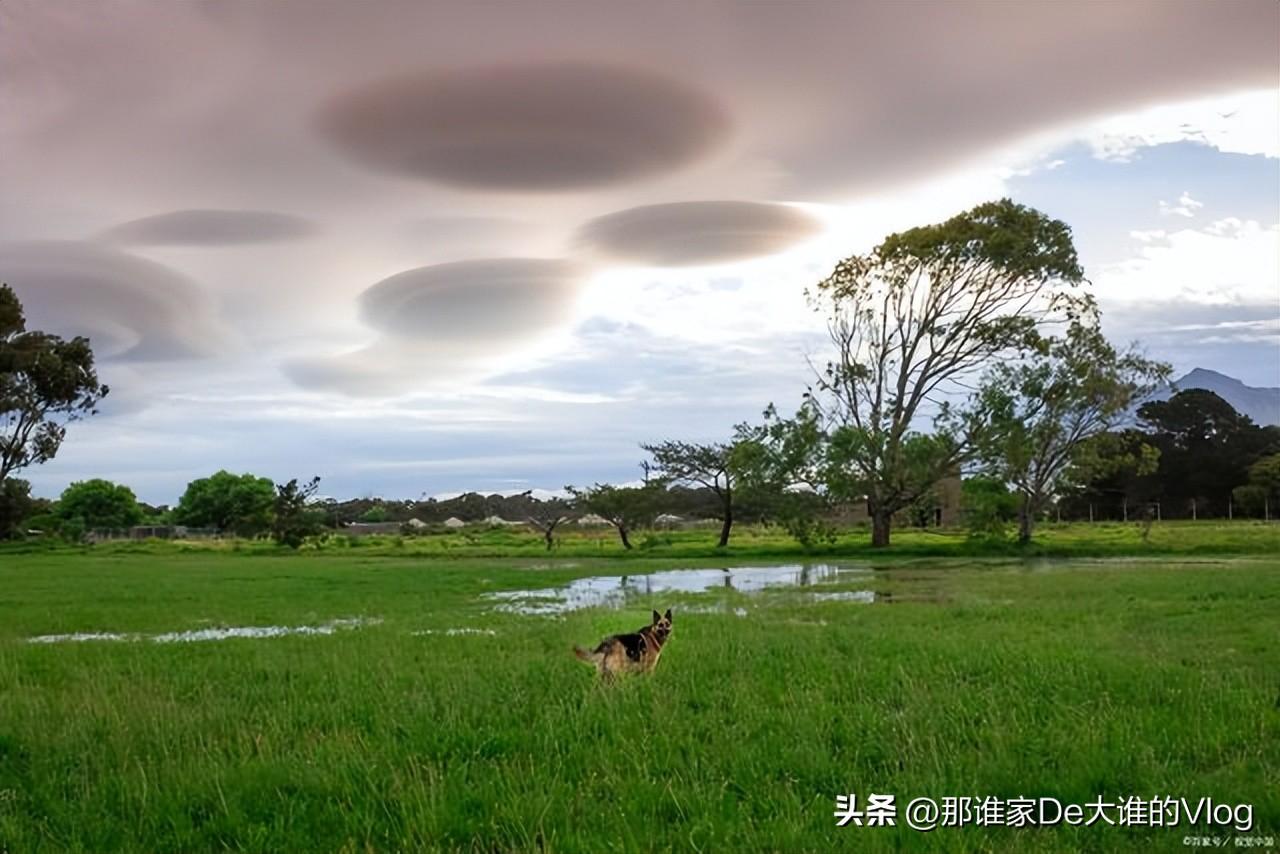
x=1186 y=206
x=1240 y=123
x=1227 y=261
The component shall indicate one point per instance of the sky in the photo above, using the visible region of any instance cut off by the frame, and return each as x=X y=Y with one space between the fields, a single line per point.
x=421 y=248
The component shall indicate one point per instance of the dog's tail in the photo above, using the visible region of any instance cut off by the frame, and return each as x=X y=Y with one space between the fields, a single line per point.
x=585 y=655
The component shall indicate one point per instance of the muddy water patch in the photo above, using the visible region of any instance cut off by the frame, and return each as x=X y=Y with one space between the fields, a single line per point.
x=213 y=634
x=614 y=591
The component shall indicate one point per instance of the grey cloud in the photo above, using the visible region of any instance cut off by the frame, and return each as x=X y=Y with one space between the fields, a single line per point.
x=827 y=99
x=540 y=127
x=687 y=233
x=1170 y=323
x=131 y=308
x=373 y=371
x=211 y=228
x=1236 y=339
x=446 y=322
x=498 y=299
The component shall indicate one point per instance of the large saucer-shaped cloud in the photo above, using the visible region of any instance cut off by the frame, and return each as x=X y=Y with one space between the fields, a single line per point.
x=487 y=301
x=211 y=228
x=129 y=307
x=447 y=323
x=689 y=233
x=540 y=127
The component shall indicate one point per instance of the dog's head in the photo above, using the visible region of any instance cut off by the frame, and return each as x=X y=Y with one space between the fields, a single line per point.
x=662 y=625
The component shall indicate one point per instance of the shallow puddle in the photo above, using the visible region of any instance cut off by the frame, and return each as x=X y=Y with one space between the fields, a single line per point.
x=222 y=633
x=865 y=596
x=465 y=630
x=612 y=591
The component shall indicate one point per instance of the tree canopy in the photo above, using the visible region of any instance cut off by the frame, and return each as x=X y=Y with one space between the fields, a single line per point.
x=624 y=507
x=45 y=383
x=231 y=503
x=708 y=465
x=1043 y=409
x=99 y=504
x=912 y=318
x=1206 y=447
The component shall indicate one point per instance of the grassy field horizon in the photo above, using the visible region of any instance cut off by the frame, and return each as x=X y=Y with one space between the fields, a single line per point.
x=428 y=718
x=1065 y=539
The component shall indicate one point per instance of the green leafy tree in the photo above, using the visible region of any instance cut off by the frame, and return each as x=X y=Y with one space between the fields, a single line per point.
x=1043 y=409
x=626 y=508
x=1261 y=495
x=16 y=506
x=293 y=519
x=99 y=504
x=45 y=384
x=778 y=465
x=1119 y=466
x=710 y=466
x=241 y=504
x=988 y=506
x=913 y=318
x=1206 y=448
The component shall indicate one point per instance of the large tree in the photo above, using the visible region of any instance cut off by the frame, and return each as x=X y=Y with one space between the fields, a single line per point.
x=710 y=466
x=1045 y=408
x=241 y=504
x=1206 y=448
x=45 y=383
x=624 y=507
x=99 y=504
x=913 y=318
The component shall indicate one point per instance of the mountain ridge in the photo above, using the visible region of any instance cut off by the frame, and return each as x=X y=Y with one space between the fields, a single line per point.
x=1260 y=403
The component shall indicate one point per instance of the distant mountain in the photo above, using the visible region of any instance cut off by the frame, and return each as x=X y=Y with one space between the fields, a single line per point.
x=1260 y=404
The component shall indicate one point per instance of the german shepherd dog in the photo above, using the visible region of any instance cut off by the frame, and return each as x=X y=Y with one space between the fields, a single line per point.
x=636 y=652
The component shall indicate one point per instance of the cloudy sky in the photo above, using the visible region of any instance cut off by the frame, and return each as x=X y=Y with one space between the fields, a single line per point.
x=426 y=247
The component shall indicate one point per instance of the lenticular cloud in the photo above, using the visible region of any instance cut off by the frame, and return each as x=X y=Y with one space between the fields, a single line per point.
x=547 y=127
x=689 y=233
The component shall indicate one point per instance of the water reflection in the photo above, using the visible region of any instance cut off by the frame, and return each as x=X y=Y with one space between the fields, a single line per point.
x=613 y=590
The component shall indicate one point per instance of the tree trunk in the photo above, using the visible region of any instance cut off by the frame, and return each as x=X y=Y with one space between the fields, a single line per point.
x=725 y=528
x=622 y=532
x=547 y=535
x=1026 y=522
x=880 y=524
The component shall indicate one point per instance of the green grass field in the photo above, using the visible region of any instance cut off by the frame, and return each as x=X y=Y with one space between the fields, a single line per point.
x=1070 y=679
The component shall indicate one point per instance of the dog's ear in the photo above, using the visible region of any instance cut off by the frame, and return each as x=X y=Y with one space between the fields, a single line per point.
x=668 y=615
x=656 y=618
